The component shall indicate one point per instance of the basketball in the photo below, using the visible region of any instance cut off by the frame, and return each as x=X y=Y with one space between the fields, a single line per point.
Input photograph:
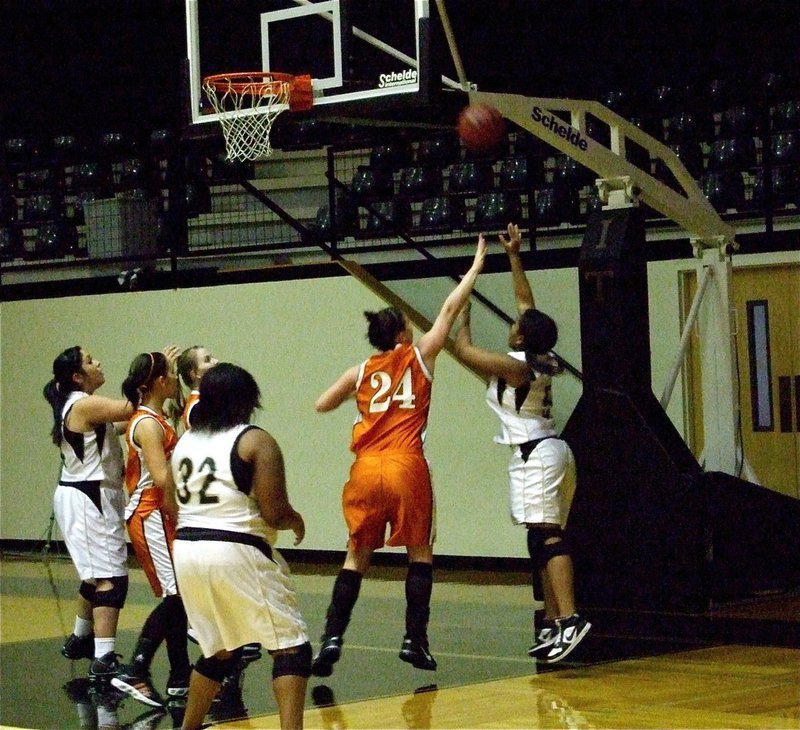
x=481 y=127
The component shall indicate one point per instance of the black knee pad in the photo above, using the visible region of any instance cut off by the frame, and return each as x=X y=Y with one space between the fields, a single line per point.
x=540 y=550
x=555 y=548
x=115 y=596
x=87 y=591
x=296 y=663
x=214 y=669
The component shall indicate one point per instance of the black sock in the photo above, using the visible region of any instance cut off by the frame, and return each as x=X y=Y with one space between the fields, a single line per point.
x=345 y=595
x=177 y=641
x=419 y=584
x=150 y=638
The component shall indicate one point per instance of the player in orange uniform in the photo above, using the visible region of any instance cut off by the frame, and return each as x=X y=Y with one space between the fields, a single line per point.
x=192 y=364
x=389 y=480
x=152 y=380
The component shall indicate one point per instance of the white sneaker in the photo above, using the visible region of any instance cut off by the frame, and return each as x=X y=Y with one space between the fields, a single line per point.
x=571 y=631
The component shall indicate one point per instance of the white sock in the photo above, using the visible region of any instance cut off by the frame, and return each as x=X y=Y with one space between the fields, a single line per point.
x=103 y=646
x=83 y=626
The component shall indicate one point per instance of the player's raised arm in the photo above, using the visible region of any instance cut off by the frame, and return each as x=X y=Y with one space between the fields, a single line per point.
x=432 y=342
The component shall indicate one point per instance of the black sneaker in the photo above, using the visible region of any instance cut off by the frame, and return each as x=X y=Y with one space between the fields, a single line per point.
x=547 y=636
x=78 y=647
x=178 y=685
x=251 y=652
x=571 y=631
x=140 y=687
x=328 y=655
x=417 y=655
x=104 y=668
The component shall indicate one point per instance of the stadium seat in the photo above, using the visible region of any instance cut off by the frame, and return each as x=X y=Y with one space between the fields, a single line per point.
x=346 y=218
x=618 y=100
x=690 y=126
x=196 y=196
x=497 y=209
x=116 y=146
x=737 y=121
x=54 y=239
x=420 y=182
x=132 y=174
x=41 y=207
x=65 y=150
x=94 y=176
x=393 y=215
x=556 y=205
x=786 y=148
x=39 y=179
x=785 y=115
x=8 y=206
x=392 y=156
x=442 y=213
x=11 y=242
x=724 y=190
x=19 y=153
x=737 y=153
x=520 y=172
x=438 y=151
x=471 y=176
x=571 y=173
x=371 y=183
x=784 y=192
x=78 y=215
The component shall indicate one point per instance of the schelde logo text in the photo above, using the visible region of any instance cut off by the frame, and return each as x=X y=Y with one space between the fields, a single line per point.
x=554 y=124
x=409 y=76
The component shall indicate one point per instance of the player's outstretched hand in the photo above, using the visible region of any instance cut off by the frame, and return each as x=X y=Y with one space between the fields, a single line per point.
x=513 y=242
x=298 y=527
x=171 y=352
x=480 y=254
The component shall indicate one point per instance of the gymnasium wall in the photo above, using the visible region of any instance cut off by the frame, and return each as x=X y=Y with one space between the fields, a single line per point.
x=296 y=337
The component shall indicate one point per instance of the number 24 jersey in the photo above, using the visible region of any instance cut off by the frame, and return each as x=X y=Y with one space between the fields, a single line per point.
x=393 y=396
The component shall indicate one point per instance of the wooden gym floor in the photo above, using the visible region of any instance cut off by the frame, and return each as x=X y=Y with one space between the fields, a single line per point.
x=480 y=630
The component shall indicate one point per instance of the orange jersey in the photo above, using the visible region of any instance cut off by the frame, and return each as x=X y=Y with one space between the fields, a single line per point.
x=393 y=396
x=191 y=402
x=138 y=481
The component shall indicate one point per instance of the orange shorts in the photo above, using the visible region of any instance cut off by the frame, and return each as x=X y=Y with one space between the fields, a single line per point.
x=389 y=488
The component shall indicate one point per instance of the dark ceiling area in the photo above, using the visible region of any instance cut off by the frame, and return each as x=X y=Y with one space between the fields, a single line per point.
x=75 y=66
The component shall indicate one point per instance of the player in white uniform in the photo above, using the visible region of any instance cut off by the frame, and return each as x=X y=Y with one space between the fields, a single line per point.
x=89 y=502
x=520 y=394
x=230 y=497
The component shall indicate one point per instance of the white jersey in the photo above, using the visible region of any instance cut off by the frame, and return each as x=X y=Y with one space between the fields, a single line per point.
x=213 y=485
x=89 y=499
x=524 y=413
x=90 y=456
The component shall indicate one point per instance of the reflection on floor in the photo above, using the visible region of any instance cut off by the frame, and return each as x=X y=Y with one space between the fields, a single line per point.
x=480 y=631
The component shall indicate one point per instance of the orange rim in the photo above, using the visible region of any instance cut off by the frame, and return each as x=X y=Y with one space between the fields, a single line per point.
x=247 y=85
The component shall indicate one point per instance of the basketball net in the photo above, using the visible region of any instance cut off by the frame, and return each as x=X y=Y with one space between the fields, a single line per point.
x=248 y=103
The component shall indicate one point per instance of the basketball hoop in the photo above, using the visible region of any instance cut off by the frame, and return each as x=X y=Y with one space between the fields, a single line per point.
x=248 y=102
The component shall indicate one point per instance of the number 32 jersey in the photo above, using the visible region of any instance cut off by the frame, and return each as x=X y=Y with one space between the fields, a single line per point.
x=213 y=484
x=393 y=396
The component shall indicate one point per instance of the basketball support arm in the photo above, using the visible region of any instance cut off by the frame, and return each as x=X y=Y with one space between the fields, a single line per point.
x=621 y=183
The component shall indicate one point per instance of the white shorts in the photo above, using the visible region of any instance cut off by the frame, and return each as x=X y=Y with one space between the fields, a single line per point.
x=235 y=595
x=536 y=486
x=95 y=537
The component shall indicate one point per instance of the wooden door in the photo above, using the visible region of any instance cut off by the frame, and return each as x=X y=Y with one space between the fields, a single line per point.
x=767 y=305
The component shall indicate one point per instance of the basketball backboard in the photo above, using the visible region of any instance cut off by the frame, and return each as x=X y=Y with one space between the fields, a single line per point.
x=363 y=51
